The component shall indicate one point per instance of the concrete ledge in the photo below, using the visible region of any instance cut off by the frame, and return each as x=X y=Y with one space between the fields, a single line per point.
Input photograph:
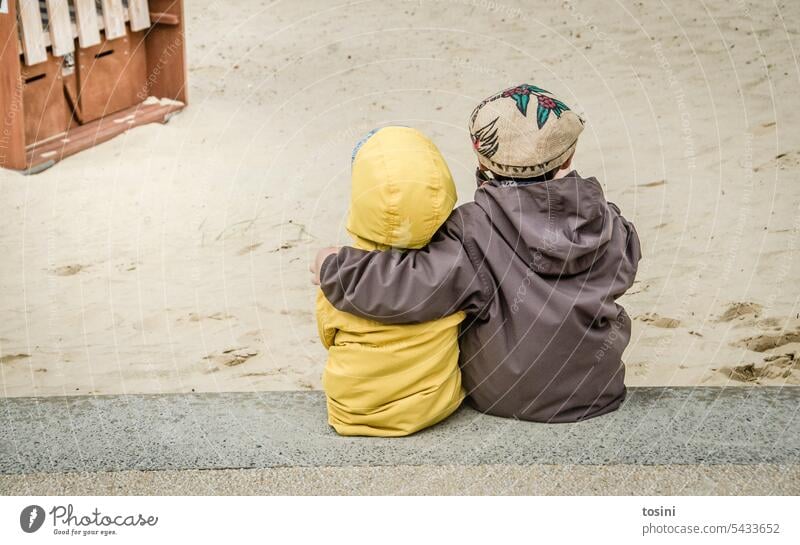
x=655 y=427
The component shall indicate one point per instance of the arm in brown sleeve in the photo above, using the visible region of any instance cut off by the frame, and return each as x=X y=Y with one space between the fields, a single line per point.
x=397 y=287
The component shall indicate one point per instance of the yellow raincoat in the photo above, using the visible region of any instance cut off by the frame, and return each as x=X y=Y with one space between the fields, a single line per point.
x=392 y=380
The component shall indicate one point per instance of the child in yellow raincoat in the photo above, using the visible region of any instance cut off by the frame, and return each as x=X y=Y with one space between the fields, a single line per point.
x=392 y=380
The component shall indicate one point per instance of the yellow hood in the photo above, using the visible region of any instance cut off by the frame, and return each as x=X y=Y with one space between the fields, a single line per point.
x=402 y=190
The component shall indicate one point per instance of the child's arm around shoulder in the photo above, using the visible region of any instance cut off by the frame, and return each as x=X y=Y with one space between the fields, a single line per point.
x=407 y=286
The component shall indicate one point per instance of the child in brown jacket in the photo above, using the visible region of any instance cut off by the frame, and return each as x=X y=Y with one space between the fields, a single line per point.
x=537 y=262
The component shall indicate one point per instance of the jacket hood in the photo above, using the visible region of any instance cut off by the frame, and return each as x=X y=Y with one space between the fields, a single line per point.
x=402 y=190
x=558 y=227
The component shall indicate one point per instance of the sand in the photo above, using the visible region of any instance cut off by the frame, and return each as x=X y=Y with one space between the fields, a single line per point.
x=174 y=258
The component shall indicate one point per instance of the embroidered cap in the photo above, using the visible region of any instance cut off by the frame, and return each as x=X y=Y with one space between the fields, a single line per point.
x=523 y=132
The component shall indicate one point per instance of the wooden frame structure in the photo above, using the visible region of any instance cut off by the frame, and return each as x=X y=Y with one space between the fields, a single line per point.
x=74 y=73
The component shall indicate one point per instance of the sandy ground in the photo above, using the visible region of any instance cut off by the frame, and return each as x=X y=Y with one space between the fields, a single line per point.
x=174 y=258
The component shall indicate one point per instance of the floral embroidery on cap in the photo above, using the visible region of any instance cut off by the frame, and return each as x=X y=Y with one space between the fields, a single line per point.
x=485 y=139
x=545 y=104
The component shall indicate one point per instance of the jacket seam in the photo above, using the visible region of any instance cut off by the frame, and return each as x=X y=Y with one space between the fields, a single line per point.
x=486 y=286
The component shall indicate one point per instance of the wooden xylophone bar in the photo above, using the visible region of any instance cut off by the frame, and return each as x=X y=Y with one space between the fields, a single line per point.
x=57 y=23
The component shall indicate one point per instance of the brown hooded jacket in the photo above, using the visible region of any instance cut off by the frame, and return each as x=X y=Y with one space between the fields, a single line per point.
x=538 y=268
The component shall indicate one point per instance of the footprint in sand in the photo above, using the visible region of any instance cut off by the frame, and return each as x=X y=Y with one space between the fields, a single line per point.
x=781 y=357
x=768 y=341
x=773 y=323
x=655 y=320
x=267 y=373
x=128 y=267
x=68 y=270
x=305 y=384
x=249 y=248
x=740 y=311
x=782 y=161
x=743 y=373
x=194 y=317
x=284 y=246
x=775 y=366
x=656 y=183
x=764 y=128
x=230 y=357
x=13 y=357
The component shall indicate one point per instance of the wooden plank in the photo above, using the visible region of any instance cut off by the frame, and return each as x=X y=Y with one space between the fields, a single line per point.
x=139 y=14
x=46 y=109
x=111 y=76
x=87 y=22
x=164 y=19
x=12 y=136
x=85 y=136
x=33 y=43
x=60 y=27
x=166 y=53
x=114 y=17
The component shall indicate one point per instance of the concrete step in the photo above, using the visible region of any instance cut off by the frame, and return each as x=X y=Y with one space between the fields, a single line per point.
x=697 y=432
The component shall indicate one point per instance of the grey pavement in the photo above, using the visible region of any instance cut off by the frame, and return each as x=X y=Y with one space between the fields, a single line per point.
x=654 y=427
